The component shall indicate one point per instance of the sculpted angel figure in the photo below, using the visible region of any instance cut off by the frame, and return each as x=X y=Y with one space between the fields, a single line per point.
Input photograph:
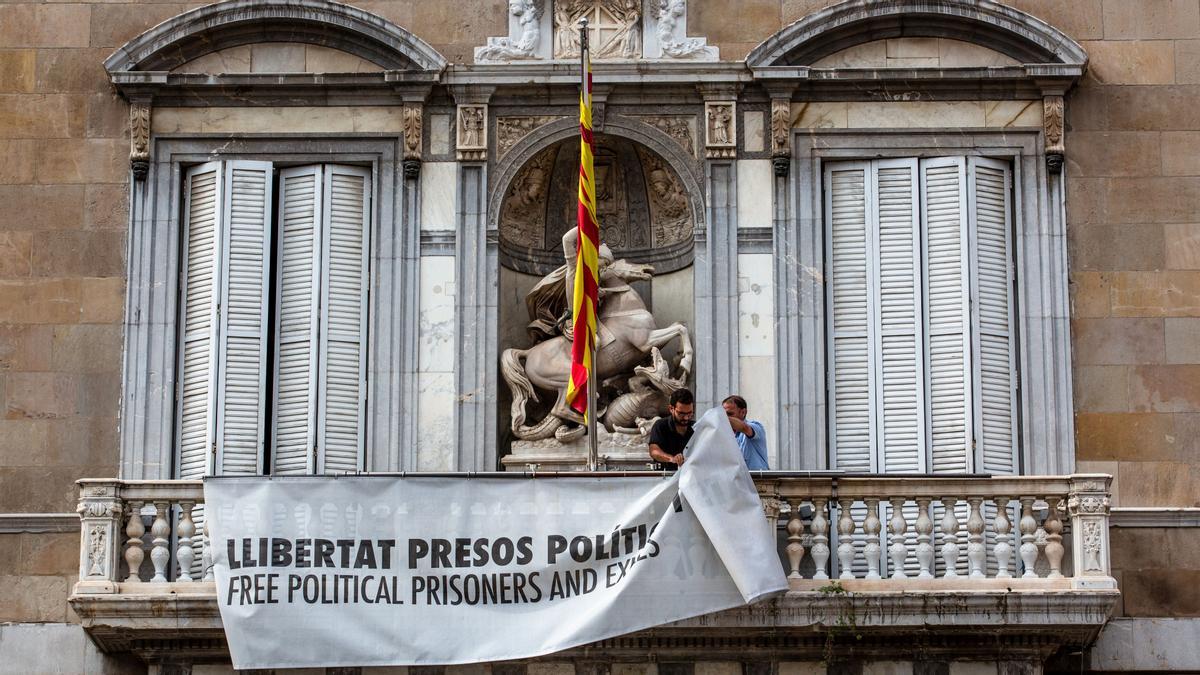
x=529 y=15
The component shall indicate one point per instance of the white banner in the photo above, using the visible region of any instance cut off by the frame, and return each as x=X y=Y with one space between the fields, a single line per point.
x=362 y=571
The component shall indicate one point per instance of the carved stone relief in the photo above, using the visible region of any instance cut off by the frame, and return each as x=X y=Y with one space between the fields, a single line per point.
x=640 y=202
x=139 y=139
x=97 y=540
x=720 y=139
x=510 y=130
x=412 y=118
x=1092 y=538
x=522 y=45
x=678 y=127
x=614 y=28
x=670 y=218
x=1052 y=121
x=523 y=214
x=471 y=140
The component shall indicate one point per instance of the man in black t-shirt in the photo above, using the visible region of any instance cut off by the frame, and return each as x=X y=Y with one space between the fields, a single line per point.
x=670 y=434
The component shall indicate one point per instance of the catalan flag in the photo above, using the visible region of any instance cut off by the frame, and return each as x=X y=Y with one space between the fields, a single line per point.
x=585 y=296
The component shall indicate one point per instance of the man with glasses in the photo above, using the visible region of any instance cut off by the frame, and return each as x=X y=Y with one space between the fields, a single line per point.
x=670 y=434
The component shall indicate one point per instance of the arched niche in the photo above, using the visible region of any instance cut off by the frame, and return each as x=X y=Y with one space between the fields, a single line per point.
x=649 y=202
x=1020 y=36
x=224 y=25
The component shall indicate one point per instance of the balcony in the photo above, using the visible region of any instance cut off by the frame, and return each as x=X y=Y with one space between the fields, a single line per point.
x=876 y=565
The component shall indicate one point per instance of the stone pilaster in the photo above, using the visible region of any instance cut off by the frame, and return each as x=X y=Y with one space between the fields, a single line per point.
x=100 y=527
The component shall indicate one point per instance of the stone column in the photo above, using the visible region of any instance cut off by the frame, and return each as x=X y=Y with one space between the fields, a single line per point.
x=716 y=256
x=476 y=290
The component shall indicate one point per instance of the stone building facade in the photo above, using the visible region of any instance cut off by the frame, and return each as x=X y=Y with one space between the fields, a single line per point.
x=744 y=121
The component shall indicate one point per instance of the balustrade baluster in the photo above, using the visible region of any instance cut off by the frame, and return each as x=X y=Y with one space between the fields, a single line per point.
x=1003 y=547
x=1029 y=549
x=820 y=537
x=950 y=538
x=924 y=539
x=897 y=527
x=1054 y=547
x=976 y=553
x=134 y=554
x=872 y=526
x=160 y=555
x=845 y=550
x=183 y=551
x=206 y=563
x=795 y=547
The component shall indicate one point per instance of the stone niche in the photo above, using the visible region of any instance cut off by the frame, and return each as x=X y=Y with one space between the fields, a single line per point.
x=645 y=217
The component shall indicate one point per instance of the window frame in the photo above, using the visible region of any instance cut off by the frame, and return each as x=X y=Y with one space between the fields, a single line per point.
x=1042 y=332
x=149 y=378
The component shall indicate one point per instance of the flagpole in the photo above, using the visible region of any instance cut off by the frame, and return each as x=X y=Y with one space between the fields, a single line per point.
x=593 y=441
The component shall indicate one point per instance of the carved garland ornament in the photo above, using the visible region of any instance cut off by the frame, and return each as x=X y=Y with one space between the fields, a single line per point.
x=1091 y=505
x=1052 y=124
x=1092 y=537
x=412 y=119
x=139 y=139
x=97 y=537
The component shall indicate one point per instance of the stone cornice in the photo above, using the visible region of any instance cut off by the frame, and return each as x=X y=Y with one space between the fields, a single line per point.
x=15 y=523
x=1154 y=517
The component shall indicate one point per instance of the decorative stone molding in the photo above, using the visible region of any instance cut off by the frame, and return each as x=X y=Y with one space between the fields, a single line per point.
x=666 y=30
x=781 y=129
x=1052 y=126
x=509 y=130
x=525 y=29
x=471 y=138
x=720 y=129
x=1154 y=517
x=678 y=127
x=17 y=523
x=139 y=138
x=413 y=125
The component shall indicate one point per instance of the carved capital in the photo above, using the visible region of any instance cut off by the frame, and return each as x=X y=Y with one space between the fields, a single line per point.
x=139 y=138
x=471 y=138
x=1088 y=505
x=781 y=127
x=1052 y=126
x=720 y=129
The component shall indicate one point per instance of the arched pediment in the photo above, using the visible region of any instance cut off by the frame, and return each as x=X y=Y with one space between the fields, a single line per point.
x=1011 y=32
x=212 y=28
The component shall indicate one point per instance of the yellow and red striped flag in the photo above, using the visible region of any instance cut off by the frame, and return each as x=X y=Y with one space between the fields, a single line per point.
x=585 y=296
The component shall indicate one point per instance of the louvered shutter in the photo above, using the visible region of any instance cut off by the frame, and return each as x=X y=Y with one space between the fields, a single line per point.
x=851 y=368
x=947 y=312
x=298 y=271
x=343 y=365
x=897 y=284
x=992 y=345
x=202 y=211
x=245 y=278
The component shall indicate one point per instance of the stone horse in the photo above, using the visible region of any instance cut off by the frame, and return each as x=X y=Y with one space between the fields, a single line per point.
x=628 y=333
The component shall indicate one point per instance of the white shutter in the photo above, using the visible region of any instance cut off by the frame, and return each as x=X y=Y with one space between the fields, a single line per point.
x=297 y=284
x=343 y=364
x=947 y=300
x=202 y=212
x=897 y=265
x=242 y=372
x=851 y=368
x=992 y=349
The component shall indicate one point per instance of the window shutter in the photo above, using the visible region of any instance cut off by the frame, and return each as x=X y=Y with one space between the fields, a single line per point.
x=847 y=191
x=343 y=365
x=899 y=396
x=242 y=372
x=202 y=209
x=992 y=350
x=947 y=312
x=297 y=284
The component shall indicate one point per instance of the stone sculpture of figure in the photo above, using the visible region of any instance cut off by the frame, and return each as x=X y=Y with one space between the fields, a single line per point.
x=718 y=119
x=627 y=338
x=566 y=32
x=529 y=15
x=669 y=13
x=471 y=119
x=628 y=39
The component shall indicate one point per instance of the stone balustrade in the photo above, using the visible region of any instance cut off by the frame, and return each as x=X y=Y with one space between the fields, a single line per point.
x=863 y=533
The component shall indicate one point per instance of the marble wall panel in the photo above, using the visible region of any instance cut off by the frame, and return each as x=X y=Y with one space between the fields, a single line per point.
x=435 y=366
x=753 y=138
x=755 y=187
x=437 y=195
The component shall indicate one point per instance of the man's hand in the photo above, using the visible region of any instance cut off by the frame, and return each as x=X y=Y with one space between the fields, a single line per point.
x=678 y=459
x=740 y=426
